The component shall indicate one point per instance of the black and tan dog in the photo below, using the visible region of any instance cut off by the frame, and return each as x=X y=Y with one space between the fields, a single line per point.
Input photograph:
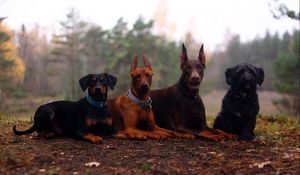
x=240 y=104
x=180 y=108
x=84 y=119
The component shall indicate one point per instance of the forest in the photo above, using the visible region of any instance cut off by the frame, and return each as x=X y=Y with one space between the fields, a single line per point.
x=39 y=65
x=33 y=63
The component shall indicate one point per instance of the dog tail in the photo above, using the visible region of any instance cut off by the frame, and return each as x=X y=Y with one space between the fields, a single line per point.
x=28 y=131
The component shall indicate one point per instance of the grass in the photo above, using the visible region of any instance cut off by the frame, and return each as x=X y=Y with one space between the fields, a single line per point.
x=272 y=129
x=279 y=129
x=275 y=129
x=13 y=118
x=146 y=166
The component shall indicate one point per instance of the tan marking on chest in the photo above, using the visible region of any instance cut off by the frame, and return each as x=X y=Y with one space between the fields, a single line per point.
x=108 y=121
x=90 y=122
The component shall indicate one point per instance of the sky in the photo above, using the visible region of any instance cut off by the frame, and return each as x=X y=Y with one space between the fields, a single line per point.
x=208 y=20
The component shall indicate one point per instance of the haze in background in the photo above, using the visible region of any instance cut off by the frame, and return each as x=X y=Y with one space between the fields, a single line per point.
x=209 y=21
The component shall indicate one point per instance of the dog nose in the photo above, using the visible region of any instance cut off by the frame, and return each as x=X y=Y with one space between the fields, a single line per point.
x=195 y=78
x=144 y=86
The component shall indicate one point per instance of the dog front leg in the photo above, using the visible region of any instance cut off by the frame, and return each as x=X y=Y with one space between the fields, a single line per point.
x=84 y=134
x=175 y=133
x=247 y=132
x=141 y=134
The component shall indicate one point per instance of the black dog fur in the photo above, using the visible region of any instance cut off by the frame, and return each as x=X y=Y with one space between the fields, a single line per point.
x=240 y=104
x=84 y=119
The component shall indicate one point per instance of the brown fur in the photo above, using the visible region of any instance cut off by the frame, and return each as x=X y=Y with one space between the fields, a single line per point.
x=130 y=119
x=180 y=108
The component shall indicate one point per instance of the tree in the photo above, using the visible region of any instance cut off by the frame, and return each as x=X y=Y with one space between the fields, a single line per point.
x=281 y=10
x=11 y=66
x=287 y=66
x=94 y=45
x=67 y=50
x=33 y=47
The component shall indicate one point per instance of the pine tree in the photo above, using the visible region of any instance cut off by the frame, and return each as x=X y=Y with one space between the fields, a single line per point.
x=68 y=50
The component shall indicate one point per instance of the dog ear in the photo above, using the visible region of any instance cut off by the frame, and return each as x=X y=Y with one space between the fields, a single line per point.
x=111 y=80
x=84 y=82
x=201 y=55
x=229 y=74
x=146 y=62
x=260 y=75
x=183 y=56
x=134 y=63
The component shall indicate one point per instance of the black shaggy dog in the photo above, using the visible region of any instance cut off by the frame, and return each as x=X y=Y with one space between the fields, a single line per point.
x=240 y=104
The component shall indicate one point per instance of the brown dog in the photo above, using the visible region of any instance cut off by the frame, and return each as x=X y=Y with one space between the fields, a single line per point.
x=180 y=108
x=132 y=113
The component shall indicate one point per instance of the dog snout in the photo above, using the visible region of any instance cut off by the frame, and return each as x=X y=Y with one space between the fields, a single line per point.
x=100 y=89
x=145 y=86
x=195 y=76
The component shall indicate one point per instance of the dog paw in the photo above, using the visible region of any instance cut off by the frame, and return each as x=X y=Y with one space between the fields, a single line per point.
x=137 y=136
x=246 y=137
x=185 y=135
x=97 y=139
x=218 y=138
x=188 y=136
x=232 y=136
x=92 y=138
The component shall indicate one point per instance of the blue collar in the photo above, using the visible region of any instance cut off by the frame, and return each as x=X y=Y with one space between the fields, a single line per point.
x=97 y=104
x=142 y=104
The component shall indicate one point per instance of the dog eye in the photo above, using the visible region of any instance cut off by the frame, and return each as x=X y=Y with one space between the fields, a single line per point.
x=188 y=69
x=148 y=76
x=138 y=77
x=93 y=82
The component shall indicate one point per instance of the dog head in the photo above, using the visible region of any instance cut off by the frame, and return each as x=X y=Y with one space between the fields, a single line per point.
x=141 y=76
x=97 y=85
x=192 y=70
x=244 y=77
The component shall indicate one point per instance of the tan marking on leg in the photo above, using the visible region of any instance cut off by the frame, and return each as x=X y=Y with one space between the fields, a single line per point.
x=92 y=138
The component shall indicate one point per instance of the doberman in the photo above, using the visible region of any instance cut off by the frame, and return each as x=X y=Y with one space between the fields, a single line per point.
x=180 y=108
x=132 y=113
x=84 y=119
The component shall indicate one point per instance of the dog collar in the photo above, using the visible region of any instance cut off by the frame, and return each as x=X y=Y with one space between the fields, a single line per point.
x=142 y=104
x=97 y=104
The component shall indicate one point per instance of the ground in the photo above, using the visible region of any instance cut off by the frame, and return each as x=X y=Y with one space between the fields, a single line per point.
x=275 y=151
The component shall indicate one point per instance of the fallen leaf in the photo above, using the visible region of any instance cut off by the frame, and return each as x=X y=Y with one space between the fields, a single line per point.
x=90 y=164
x=42 y=170
x=260 y=165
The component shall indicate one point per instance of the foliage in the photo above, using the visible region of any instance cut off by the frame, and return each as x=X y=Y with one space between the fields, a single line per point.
x=287 y=66
x=261 y=52
x=281 y=10
x=33 y=48
x=139 y=40
x=67 y=51
x=11 y=66
x=112 y=51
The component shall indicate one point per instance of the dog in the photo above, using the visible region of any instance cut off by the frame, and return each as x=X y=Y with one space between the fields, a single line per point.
x=240 y=104
x=132 y=113
x=83 y=119
x=180 y=108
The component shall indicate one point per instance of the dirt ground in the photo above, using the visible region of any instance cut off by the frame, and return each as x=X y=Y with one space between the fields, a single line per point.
x=32 y=155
